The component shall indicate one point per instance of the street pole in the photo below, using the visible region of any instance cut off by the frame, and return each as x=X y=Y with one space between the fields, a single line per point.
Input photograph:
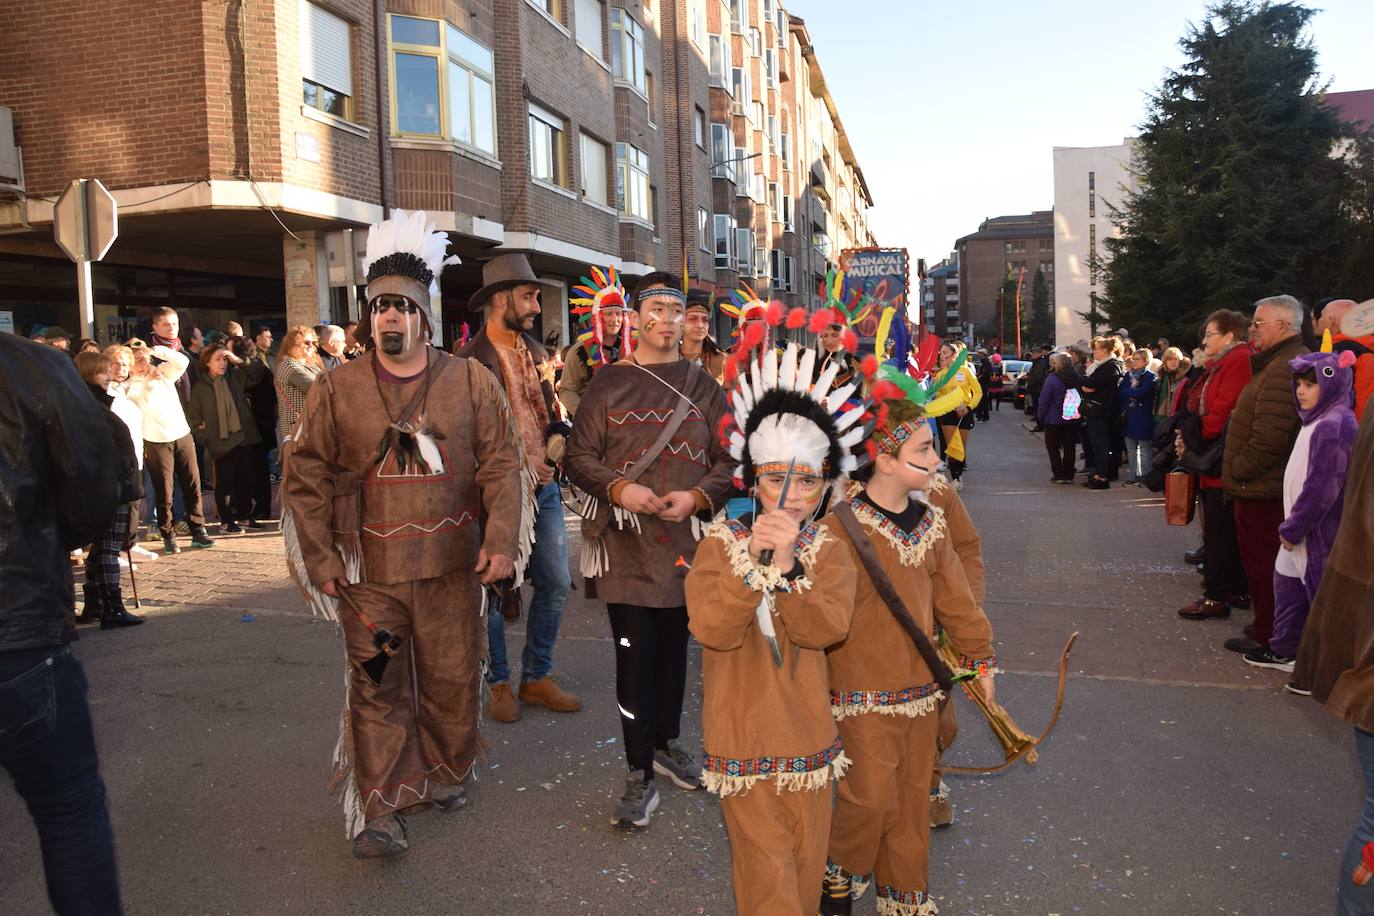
x=85 y=297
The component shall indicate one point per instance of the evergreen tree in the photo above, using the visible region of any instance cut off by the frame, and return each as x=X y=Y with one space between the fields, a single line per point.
x=1039 y=321
x=1236 y=199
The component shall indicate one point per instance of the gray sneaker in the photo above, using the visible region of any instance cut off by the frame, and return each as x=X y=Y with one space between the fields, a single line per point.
x=678 y=765
x=383 y=836
x=639 y=801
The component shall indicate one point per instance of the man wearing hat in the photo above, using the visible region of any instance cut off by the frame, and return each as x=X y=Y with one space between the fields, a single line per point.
x=402 y=499
x=57 y=337
x=509 y=297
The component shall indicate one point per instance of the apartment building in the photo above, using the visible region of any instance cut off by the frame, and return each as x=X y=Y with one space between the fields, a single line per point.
x=1089 y=182
x=251 y=144
x=941 y=298
x=1001 y=248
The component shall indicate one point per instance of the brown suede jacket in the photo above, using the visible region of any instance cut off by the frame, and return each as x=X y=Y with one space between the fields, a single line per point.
x=1263 y=426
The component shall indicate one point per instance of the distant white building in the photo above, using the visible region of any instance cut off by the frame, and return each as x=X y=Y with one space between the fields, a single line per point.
x=1088 y=182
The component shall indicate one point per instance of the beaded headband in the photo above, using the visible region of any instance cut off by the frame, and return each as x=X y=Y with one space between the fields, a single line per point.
x=668 y=291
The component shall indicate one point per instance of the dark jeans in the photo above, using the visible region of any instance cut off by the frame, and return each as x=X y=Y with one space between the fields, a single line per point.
x=48 y=746
x=166 y=460
x=1060 y=442
x=650 y=677
x=1353 y=899
x=1257 y=535
x=234 y=484
x=261 y=476
x=1222 y=574
x=1100 y=437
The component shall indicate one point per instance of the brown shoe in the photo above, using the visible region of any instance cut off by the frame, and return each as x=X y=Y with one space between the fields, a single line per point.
x=1205 y=609
x=546 y=692
x=941 y=808
x=503 y=705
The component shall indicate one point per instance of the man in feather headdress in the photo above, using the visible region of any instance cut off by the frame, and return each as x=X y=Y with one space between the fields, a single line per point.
x=403 y=498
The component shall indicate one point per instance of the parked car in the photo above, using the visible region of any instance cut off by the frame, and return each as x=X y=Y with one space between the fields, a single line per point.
x=1013 y=380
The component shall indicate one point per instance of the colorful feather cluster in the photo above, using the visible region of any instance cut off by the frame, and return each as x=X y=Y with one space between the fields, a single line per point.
x=744 y=306
x=602 y=290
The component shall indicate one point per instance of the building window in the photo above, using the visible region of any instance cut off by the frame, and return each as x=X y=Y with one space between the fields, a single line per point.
x=756 y=42
x=744 y=251
x=649 y=92
x=552 y=7
x=756 y=116
x=761 y=263
x=326 y=61
x=590 y=29
x=775 y=200
x=595 y=183
x=548 y=158
x=1047 y=267
x=461 y=106
x=785 y=150
x=1092 y=181
x=742 y=173
x=777 y=266
x=703 y=229
x=699 y=127
x=743 y=90
x=722 y=62
x=725 y=241
x=471 y=92
x=739 y=16
x=697 y=24
x=1092 y=254
x=632 y=182
x=790 y=284
x=721 y=145
x=627 y=49
x=787 y=220
x=1092 y=203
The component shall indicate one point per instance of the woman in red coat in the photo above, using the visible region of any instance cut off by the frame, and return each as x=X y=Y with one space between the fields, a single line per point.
x=1224 y=340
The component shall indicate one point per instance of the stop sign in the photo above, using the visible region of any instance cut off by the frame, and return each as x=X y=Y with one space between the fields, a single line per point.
x=85 y=224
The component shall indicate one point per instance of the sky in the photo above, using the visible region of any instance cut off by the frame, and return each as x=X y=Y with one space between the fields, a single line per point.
x=953 y=109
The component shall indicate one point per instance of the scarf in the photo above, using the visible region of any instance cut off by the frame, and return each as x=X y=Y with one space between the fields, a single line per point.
x=226 y=411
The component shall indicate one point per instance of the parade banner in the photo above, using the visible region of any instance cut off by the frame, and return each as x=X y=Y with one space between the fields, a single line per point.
x=881 y=274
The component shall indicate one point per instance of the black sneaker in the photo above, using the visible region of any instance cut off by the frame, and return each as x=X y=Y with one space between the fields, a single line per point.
x=201 y=538
x=383 y=836
x=233 y=528
x=1241 y=644
x=1240 y=603
x=678 y=765
x=1292 y=687
x=1268 y=658
x=1195 y=556
x=254 y=524
x=450 y=798
x=837 y=896
x=639 y=800
x=170 y=545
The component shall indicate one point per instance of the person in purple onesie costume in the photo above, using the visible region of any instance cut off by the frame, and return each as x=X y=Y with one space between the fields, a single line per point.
x=1313 y=487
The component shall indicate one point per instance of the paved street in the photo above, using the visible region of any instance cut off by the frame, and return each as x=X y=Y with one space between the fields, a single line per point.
x=1179 y=779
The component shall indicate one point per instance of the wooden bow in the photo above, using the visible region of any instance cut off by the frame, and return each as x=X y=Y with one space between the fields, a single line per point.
x=1017 y=744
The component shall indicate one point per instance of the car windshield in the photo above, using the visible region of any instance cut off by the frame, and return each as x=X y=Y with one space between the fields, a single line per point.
x=1015 y=365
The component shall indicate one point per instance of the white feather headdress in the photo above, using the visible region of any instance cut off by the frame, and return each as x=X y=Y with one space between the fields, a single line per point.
x=409 y=248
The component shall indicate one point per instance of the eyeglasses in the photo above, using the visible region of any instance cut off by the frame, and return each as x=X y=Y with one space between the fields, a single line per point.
x=1255 y=322
x=382 y=304
x=310 y=343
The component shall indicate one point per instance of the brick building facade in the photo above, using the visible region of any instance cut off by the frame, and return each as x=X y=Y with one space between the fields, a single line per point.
x=1001 y=247
x=250 y=142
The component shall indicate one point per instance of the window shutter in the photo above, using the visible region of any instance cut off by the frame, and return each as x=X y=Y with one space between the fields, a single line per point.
x=326 y=49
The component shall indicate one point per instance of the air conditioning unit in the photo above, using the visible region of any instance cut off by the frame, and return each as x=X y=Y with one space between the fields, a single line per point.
x=11 y=156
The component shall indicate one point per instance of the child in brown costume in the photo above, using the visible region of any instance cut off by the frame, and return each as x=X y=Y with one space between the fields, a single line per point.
x=765 y=596
x=883 y=693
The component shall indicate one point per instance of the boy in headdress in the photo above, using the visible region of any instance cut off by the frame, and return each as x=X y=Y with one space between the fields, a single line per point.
x=883 y=677
x=766 y=594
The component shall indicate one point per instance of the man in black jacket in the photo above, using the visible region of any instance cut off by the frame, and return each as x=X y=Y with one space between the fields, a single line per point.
x=58 y=479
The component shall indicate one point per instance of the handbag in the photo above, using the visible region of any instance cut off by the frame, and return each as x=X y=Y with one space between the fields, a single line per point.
x=1206 y=462
x=1180 y=497
x=1073 y=400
